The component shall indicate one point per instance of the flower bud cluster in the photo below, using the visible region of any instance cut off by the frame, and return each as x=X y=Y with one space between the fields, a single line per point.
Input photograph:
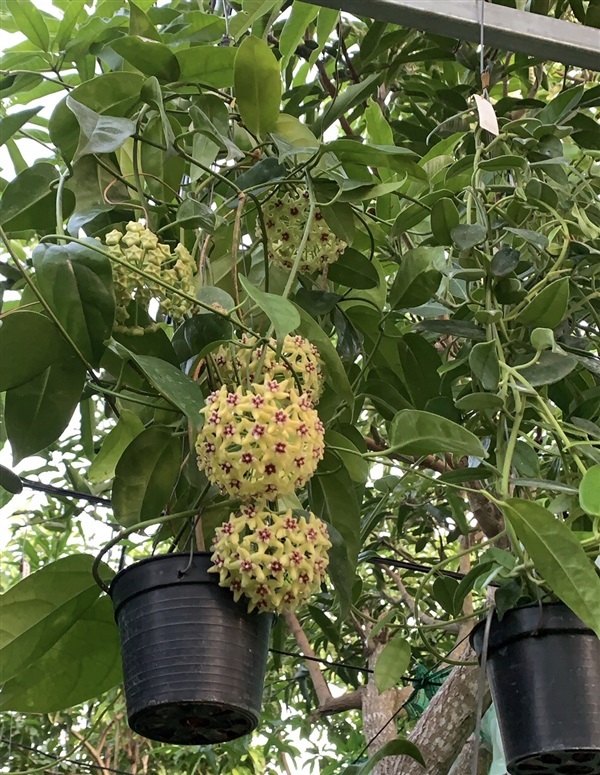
x=277 y=560
x=260 y=443
x=247 y=363
x=140 y=248
x=285 y=220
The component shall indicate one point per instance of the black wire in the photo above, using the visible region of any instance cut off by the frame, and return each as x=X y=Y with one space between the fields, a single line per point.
x=60 y=759
x=387 y=723
x=414 y=566
x=323 y=661
x=48 y=488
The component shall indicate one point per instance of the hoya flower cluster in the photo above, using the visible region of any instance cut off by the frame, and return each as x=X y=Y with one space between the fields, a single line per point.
x=141 y=249
x=247 y=363
x=276 y=560
x=260 y=443
x=285 y=220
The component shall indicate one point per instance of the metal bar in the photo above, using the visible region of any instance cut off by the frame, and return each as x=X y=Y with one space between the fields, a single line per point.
x=539 y=36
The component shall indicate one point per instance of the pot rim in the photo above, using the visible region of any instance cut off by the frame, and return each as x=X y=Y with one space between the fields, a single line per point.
x=518 y=623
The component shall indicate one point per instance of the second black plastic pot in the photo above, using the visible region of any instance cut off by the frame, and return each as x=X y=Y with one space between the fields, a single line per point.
x=543 y=665
x=193 y=660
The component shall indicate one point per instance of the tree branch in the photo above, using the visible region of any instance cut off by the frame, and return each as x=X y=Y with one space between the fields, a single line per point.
x=407 y=598
x=322 y=690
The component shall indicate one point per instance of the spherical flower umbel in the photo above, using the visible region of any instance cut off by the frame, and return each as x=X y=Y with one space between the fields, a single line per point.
x=241 y=364
x=141 y=249
x=277 y=560
x=262 y=443
x=285 y=219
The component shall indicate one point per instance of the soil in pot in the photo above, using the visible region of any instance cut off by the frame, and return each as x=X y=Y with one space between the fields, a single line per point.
x=543 y=666
x=193 y=660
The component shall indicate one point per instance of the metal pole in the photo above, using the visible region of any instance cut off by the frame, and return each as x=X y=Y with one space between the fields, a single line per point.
x=539 y=36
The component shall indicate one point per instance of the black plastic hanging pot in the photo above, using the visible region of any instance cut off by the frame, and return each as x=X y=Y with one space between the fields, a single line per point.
x=543 y=665
x=193 y=659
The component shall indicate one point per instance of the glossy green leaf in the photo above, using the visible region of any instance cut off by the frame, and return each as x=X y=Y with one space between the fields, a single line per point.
x=478 y=402
x=467 y=236
x=208 y=65
x=392 y=748
x=28 y=202
x=400 y=160
x=29 y=343
x=68 y=23
x=76 y=282
x=503 y=163
x=504 y=261
x=140 y=24
x=548 y=307
x=199 y=332
x=589 y=491
x=354 y=270
x=257 y=85
x=31 y=23
x=110 y=94
x=38 y=411
x=558 y=557
x=10 y=481
x=357 y=467
x=335 y=495
x=465 y=329
x=414 y=432
x=418 y=277
x=532 y=237
x=392 y=663
x=292 y=34
x=282 y=313
x=335 y=374
x=483 y=360
x=171 y=383
x=145 y=476
x=11 y=124
x=444 y=590
x=444 y=218
x=114 y=444
x=37 y=611
x=349 y=98
x=149 y=56
x=81 y=665
x=551 y=367
x=98 y=134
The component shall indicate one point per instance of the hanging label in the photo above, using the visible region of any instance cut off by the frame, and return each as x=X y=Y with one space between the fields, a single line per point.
x=487 y=116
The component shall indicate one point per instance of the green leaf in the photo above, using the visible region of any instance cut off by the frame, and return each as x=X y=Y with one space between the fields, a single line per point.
x=76 y=282
x=335 y=374
x=418 y=277
x=549 y=307
x=414 y=432
x=467 y=236
x=444 y=218
x=478 y=402
x=354 y=270
x=11 y=124
x=349 y=98
x=171 y=383
x=558 y=557
x=400 y=160
x=460 y=328
x=40 y=608
x=589 y=491
x=149 y=56
x=505 y=261
x=98 y=134
x=257 y=85
x=357 y=467
x=551 y=367
x=339 y=506
x=392 y=663
x=281 y=312
x=110 y=94
x=444 y=590
x=29 y=202
x=145 y=476
x=10 y=481
x=294 y=28
x=199 y=332
x=483 y=360
x=502 y=163
x=140 y=24
x=67 y=24
x=561 y=106
x=31 y=23
x=532 y=237
x=208 y=65
x=38 y=411
x=30 y=342
x=127 y=428
x=80 y=666
x=392 y=748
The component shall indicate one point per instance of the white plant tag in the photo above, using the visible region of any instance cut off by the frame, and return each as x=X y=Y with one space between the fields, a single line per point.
x=487 y=116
